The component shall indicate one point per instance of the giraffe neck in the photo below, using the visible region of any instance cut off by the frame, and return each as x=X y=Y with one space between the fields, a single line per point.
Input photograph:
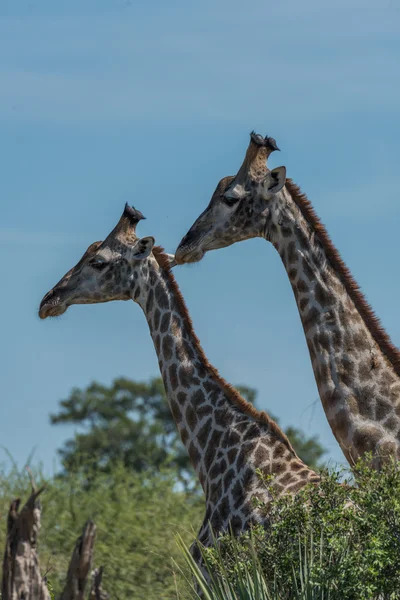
x=225 y=438
x=358 y=383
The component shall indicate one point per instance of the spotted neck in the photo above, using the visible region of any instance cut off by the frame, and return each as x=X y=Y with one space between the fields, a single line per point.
x=355 y=366
x=226 y=438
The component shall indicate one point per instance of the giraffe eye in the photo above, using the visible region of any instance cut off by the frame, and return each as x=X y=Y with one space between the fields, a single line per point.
x=98 y=264
x=232 y=195
x=230 y=200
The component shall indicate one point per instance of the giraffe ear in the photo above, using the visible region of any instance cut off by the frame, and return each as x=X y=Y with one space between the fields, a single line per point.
x=276 y=180
x=142 y=248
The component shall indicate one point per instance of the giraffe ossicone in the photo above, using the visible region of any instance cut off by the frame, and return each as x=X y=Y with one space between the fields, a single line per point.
x=356 y=366
x=226 y=438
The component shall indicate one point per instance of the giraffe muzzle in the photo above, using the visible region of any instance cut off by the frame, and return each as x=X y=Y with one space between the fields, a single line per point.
x=191 y=248
x=51 y=306
x=185 y=255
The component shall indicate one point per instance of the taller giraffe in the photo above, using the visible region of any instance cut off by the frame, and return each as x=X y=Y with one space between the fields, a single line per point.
x=356 y=366
x=225 y=437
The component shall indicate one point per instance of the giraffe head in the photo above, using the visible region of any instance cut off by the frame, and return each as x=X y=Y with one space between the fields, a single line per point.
x=109 y=270
x=240 y=207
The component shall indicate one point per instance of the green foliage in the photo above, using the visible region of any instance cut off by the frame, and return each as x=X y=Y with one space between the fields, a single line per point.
x=330 y=541
x=130 y=422
x=137 y=517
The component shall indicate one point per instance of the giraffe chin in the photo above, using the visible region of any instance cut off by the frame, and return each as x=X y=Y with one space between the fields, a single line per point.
x=52 y=310
x=183 y=256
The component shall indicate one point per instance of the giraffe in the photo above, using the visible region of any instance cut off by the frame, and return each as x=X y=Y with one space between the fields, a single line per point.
x=355 y=364
x=226 y=438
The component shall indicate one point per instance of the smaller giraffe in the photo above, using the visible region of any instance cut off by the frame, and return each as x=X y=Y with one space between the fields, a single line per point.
x=225 y=437
x=356 y=366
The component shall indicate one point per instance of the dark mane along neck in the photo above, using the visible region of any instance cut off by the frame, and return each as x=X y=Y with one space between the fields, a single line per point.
x=367 y=314
x=231 y=393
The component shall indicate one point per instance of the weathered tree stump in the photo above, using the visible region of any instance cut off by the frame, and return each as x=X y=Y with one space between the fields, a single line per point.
x=21 y=570
x=96 y=592
x=81 y=562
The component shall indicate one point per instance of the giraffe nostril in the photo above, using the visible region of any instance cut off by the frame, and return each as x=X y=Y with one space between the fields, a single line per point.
x=50 y=305
x=46 y=299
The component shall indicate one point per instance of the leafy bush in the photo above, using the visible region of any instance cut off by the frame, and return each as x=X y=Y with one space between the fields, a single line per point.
x=331 y=542
x=137 y=518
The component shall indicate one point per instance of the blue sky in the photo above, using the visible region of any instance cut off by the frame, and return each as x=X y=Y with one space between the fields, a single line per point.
x=104 y=102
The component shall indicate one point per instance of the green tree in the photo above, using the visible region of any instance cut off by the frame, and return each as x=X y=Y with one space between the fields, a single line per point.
x=130 y=422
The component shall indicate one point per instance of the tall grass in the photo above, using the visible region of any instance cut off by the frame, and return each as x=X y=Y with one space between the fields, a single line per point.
x=249 y=582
